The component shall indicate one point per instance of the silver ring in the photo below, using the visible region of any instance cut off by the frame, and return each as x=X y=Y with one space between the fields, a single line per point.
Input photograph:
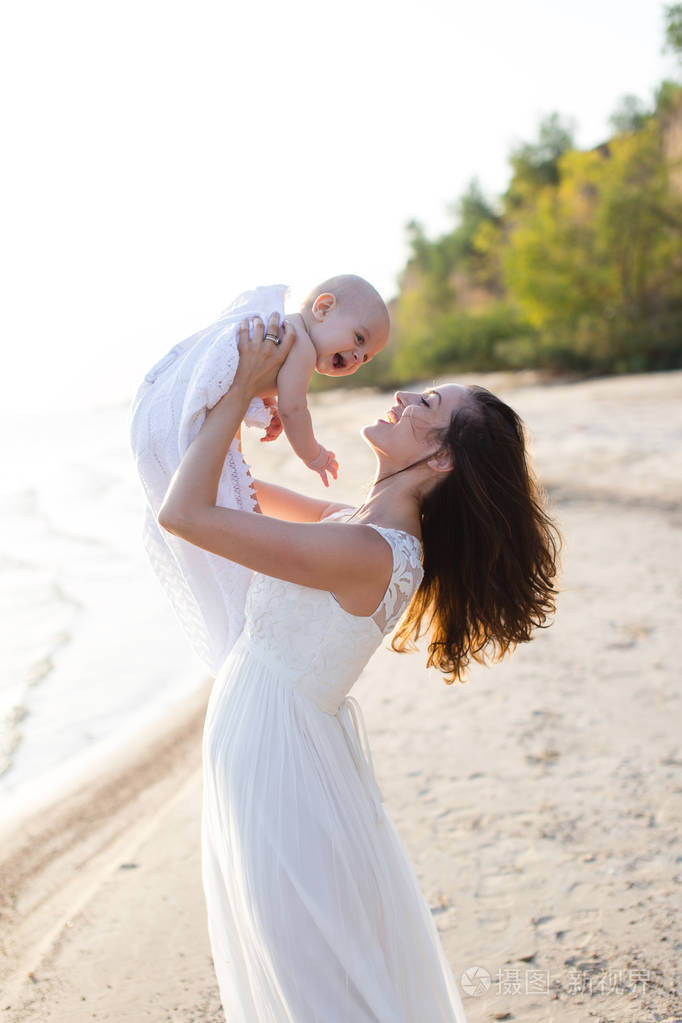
x=272 y=337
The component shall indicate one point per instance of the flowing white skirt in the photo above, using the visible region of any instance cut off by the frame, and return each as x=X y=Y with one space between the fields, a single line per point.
x=315 y=913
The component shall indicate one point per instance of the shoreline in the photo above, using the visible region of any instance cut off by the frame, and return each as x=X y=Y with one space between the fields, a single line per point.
x=37 y=795
x=51 y=849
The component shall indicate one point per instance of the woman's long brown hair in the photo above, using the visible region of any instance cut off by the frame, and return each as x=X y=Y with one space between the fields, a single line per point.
x=490 y=550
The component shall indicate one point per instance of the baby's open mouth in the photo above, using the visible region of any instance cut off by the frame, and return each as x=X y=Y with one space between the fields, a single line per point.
x=338 y=361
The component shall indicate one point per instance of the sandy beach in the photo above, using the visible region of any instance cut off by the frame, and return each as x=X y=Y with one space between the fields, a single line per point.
x=540 y=802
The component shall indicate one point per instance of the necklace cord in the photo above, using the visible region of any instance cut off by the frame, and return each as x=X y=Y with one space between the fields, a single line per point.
x=390 y=475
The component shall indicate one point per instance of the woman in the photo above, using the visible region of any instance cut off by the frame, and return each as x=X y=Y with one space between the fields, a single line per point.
x=314 y=910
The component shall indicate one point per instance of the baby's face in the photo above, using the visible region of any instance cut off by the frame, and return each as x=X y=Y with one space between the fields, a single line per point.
x=345 y=340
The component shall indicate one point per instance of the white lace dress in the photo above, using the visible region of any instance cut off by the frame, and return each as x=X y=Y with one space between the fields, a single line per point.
x=315 y=913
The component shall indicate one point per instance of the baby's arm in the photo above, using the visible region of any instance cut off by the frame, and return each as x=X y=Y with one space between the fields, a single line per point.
x=292 y=386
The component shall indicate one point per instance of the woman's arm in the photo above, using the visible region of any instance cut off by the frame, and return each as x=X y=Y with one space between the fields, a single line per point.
x=287 y=504
x=352 y=561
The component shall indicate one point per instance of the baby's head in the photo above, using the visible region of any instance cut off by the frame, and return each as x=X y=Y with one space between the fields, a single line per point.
x=347 y=322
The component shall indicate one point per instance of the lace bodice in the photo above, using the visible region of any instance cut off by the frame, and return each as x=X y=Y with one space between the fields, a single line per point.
x=307 y=637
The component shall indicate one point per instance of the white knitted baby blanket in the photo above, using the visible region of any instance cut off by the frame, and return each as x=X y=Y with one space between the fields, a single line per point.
x=207 y=592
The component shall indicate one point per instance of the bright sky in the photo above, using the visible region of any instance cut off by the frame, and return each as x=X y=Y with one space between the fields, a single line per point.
x=161 y=156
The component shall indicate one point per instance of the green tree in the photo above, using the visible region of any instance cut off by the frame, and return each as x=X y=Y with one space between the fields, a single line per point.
x=673 y=28
x=536 y=164
x=598 y=257
x=668 y=96
x=579 y=264
x=630 y=114
x=435 y=261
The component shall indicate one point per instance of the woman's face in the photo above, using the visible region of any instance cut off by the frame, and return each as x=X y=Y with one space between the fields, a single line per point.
x=406 y=433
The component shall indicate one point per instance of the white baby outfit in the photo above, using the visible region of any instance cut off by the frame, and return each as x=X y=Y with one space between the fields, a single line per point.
x=207 y=592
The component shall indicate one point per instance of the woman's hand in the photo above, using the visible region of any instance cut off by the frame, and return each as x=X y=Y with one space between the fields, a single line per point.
x=193 y=491
x=260 y=359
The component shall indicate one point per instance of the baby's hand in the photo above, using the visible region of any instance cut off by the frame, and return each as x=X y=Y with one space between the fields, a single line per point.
x=274 y=427
x=323 y=464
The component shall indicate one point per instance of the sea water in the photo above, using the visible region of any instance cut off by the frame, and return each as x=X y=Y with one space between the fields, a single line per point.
x=88 y=641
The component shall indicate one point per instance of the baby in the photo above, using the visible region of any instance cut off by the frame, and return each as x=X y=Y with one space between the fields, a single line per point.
x=342 y=324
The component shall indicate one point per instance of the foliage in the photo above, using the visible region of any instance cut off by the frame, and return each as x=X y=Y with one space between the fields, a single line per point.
x=435 y=261
x=606 y=238
x=667 y=98
x=673 y=28
x=536 y=164
x=629 y=115
x=578 y=267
